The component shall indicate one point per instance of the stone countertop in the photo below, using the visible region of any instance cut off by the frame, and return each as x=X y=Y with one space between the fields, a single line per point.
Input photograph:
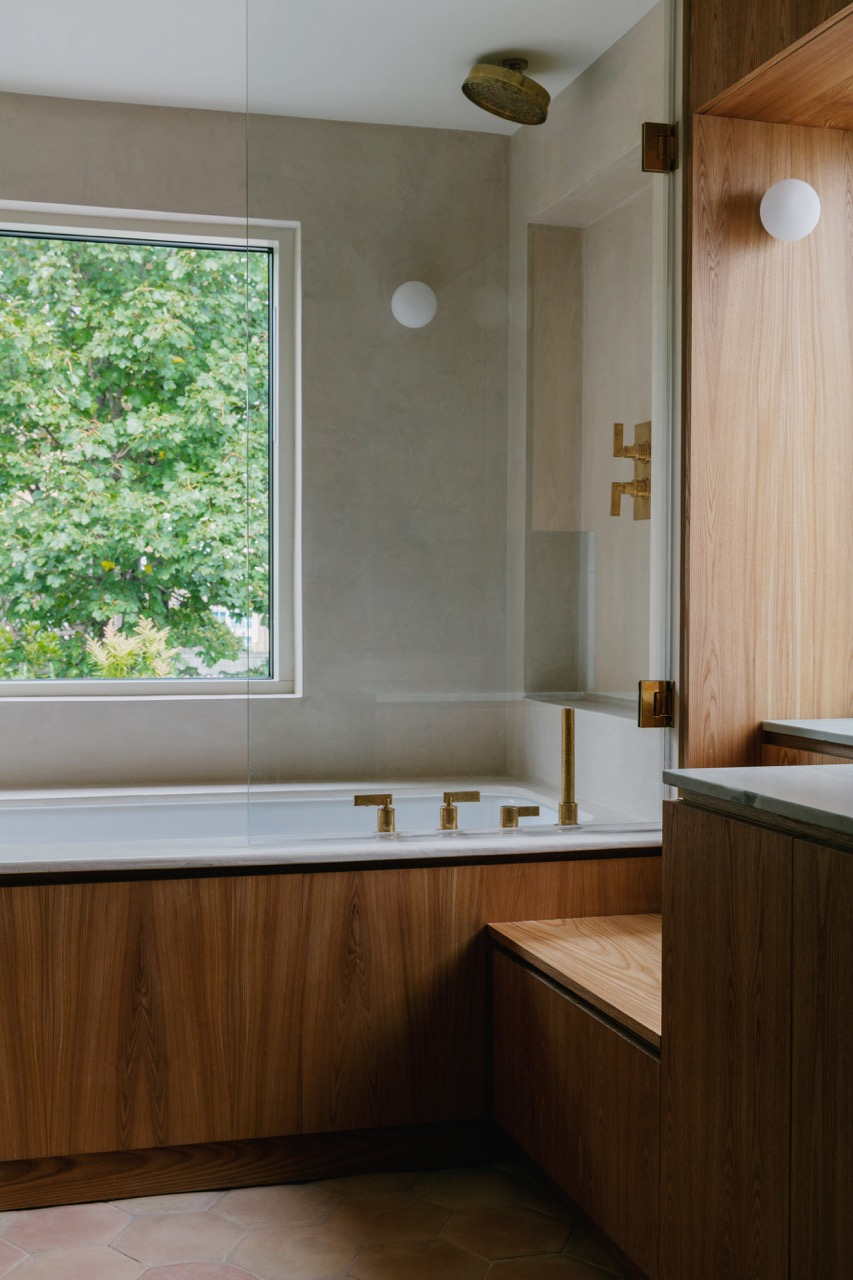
x=227 y=854
x=838 y=731
x=819 y=795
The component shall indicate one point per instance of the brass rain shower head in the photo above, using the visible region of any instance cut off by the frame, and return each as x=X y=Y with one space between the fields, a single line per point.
x=507 y=92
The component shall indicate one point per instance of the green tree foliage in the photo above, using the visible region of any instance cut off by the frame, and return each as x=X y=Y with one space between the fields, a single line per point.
x=134 y=471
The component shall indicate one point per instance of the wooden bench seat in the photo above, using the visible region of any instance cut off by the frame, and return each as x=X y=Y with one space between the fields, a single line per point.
x=613 y=963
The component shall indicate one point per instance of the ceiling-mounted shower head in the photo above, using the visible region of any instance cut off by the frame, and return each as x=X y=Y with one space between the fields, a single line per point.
x=507 y=92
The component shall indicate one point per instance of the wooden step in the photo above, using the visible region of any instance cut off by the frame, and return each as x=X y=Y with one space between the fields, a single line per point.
x=611 y=962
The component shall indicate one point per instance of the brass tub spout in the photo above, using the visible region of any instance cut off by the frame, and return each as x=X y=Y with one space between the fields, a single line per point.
x=568 y=810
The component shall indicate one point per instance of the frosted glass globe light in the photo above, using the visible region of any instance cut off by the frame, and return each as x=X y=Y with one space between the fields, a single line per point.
x=790 y=209
x=414 y=304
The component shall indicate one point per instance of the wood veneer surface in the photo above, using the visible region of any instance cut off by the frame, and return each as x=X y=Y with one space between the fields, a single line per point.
x=769 y=522
x=729 y=39
x=822 y=1110
x=809 y=84
x=613 y=962
x=725 y=1049
x=147 y=1014
x=394 y=1016
x=583 y=1101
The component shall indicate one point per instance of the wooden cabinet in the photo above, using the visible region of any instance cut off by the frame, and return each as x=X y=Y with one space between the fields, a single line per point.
x=148 y=1013
x=582 y=1097
x=152 y=1013
x=394 y=1027
x=822 y=1062
x=757 y=1140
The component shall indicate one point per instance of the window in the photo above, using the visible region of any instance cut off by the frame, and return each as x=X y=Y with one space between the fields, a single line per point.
x=146 y=496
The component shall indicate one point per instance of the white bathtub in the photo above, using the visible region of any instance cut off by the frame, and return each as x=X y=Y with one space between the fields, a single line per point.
x=208 y=826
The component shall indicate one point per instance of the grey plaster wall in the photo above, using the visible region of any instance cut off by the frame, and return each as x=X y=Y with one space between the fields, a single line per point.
x=404 y=616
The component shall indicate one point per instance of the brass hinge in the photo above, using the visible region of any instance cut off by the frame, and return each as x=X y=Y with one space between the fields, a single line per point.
x=657 y=704
x=660 y=147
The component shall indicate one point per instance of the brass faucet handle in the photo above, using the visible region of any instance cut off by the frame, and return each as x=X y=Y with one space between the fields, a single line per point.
x=510 y=814
x=641 y=450
x=640 y=490
x=385 y=820
x=449 y=813
x=384 y=798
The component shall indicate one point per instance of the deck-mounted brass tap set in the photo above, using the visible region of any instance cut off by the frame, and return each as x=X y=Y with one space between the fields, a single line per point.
x=567 y=814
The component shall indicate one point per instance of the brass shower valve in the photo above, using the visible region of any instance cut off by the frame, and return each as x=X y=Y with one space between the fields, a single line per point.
x=640 y=488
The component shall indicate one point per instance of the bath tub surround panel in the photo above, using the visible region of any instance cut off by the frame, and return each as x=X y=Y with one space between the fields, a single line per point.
x=139 y=1014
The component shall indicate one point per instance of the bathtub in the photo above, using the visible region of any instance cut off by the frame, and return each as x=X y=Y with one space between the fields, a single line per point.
x=157 y=827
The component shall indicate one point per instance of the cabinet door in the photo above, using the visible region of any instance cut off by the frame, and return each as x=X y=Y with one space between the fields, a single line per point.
x=822 y=1108
x=151 y=1013
x=583 y=1101
x=725 y=1049
x=395 y=1009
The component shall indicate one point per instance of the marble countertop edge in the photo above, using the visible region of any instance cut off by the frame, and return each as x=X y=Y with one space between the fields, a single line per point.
x=819 y=795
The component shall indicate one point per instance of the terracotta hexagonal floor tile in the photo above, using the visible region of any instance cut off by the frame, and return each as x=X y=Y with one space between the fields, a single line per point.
x=79 y=1264
x=381 y=1219
x=295 y=1253
x=506 y=1233
x=183 y=1202
x=10 y=1256
x=369 y=1184
x=553 y=1267
x=417 y=1260
x=179 y=1237
x=69 y=1227
x=487 y=1188
x=198 y=1271
x=297 y=1205
x=583 y=1245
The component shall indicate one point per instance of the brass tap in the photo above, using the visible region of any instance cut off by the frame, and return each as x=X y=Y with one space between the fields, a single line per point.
x=510 y=814
x=568 y=810
x=449 y=812
x=385 y=821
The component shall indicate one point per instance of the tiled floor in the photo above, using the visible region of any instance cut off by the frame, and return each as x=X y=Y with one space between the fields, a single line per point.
x=494 y=1223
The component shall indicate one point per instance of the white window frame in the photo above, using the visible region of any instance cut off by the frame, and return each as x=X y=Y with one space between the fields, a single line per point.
x=286 y=452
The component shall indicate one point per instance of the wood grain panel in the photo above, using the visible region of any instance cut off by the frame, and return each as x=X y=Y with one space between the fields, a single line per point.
x=822 y=1111
x=583 y=1101
x=728 y=39
x=394 y=1026
x=141 y=1014
x=116 y=1175
x=725 y=1049
x=809 y=84
x=611 y=962
x=768 y=624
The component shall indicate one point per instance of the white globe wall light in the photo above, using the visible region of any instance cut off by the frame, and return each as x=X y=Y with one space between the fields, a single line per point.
x=790 y=209
x=414 y=304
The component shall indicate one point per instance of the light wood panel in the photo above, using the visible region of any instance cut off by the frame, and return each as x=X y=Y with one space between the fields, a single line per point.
x=725 y=1049
x=768 y=618
x=822 y=1110
x=612 y=962
x=583 y=1101
x=728 y=39
x=810 y=83
x=141 y=1014
x=395 y=1005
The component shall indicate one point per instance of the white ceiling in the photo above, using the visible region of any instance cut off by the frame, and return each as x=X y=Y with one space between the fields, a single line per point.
x=382 y=61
